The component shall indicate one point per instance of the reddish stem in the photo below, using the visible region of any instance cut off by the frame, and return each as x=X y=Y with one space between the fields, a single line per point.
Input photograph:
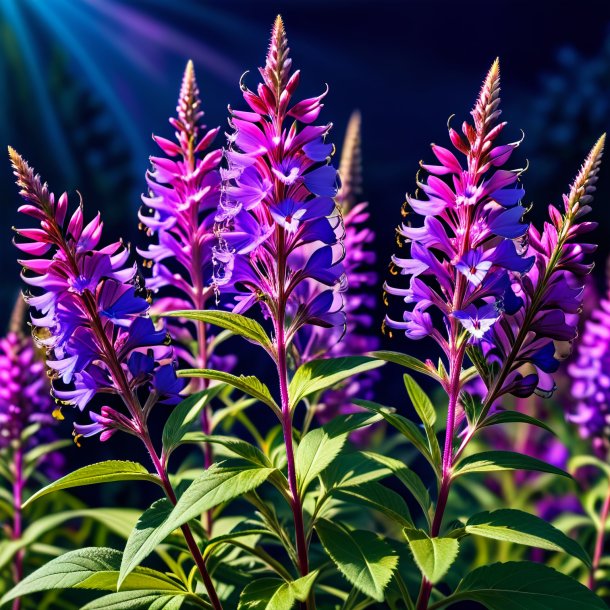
x=599 y=541
x=17 y=519
x=186 y=530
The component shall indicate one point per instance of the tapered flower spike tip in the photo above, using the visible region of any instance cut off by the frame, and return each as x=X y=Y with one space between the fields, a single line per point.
x=189 y=101
x=350 y=167
x=583 y=187
x=486 y=107
x=17 y=315
x=28 y=181
x=277 y=64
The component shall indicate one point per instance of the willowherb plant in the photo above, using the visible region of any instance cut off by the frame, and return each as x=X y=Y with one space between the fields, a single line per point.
x=274 y=231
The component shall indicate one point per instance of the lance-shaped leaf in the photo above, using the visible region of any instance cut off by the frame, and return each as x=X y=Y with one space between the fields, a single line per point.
x=494 y=461
x=523 y=528
x=427 y=413
x=215 y=486
x=433 y=556
x=364 y=558
x=183 y=415
x=517 y=585
x=316 y=451
x=317 y=375
x=508 y=417
x=89 y=568
x=275 y=594
x=102 y=472
x=234 y=322
x=246 y=383
x=147 y=599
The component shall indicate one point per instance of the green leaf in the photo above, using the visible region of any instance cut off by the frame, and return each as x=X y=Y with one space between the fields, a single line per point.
x=523 y=528
x=215 y=486
x=316 y=452
x=243 y=449
x=433 y=556
x=404 y=360
x=376 y=496
x=493 y=461
x=507 y=417
x=32 y=456
x=183 y=415
x=424 y=407
x=579 y=461
x=364 y=558
x=405 y=426
x=317 y=375
x=275 y=594
x=137 y=600
x=218 y=541
x=236 y=323
x=427 y=413
x=408 y=478
x=524 y=584
x=88 y=568
x=102 y=472
x=353 y=468
x=249 y=384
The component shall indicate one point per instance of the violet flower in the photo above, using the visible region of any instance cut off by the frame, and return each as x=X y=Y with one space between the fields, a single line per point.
x=280 y=231
x=589 y=408
x=90 y=316
x=281 y=234
x=527 y=345
x=180 y=208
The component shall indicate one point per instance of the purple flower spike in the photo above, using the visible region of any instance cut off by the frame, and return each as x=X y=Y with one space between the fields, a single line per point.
x=462 y=257
x=184 y=188
x=24 y=393
x=280 y=232
x=89 y=315
x=529 y=342
x=590 y=375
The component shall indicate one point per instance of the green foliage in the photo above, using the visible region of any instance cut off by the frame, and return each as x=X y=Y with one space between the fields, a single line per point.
x=317 y=375
x=276 y=594
x=215 y=486
x=366 y=560
x=234 y=322
x=246 y=383
x=184 y=415
x=517 y=585
x=433 y=556
x=316 y=452
x=495 y=461
x=523 y=528
x=146 y=599
x=508 y=417
x=102 y=472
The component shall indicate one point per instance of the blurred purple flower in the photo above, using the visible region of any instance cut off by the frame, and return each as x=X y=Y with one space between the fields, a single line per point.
x=315 y=342
x=590 y=375
x=91 y=319
x=184 y=195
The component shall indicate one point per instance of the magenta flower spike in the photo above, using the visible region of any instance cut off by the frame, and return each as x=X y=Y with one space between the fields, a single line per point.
x=281 y=234
x=89 y=314
x=280 y=231
x=184 y=193
x=527 y=345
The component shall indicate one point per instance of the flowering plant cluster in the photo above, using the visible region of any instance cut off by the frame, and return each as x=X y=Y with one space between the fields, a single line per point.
x=262 y=244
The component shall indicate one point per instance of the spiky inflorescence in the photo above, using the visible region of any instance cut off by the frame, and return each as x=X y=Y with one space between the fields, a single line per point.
x=529 y=344
x=91 y=320
x=184 y=194
x=589 y=408
x=461 y=258
x=25 y=398
x=280 y=230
